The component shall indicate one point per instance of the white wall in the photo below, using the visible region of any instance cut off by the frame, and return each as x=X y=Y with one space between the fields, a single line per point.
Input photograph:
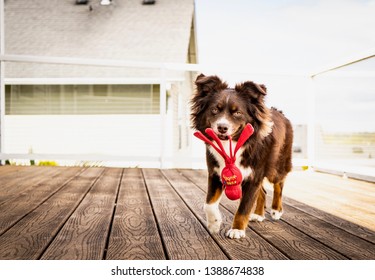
x=117 y=135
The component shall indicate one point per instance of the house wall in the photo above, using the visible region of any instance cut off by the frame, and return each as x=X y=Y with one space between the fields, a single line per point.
x=117 y=135
x=106 y=121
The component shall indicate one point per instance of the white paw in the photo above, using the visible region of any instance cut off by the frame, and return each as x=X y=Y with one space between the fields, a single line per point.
x=276 y=215
x=213 y=217
x=214 y=227
x=236 y=233
x=256 y=218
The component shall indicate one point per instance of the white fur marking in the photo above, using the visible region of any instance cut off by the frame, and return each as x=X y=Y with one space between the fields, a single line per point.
x=256 y=218
x=236 y=233
x=266 y=129
x=213 y=216
x=227 y=100
x=276 y=215
x=222 y=121
x=246 y=172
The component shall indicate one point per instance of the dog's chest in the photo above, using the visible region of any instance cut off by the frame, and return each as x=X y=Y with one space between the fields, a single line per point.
x=245 y=171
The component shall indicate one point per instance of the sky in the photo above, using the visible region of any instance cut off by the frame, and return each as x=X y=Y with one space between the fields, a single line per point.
x=286 y=36
x=279 y=42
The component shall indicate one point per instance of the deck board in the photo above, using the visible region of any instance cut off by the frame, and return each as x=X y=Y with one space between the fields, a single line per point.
x=334 y=195
x=290 y=241
x=116 y=213
x=347 y=244
x=134 y=233
x=253 y=247
x=184 y=236
x=23 y=181
x=30 y=195
x=84 y=234
x=28 y=238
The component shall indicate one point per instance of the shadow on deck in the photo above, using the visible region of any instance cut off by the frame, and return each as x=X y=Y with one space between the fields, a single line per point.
x=110 y=213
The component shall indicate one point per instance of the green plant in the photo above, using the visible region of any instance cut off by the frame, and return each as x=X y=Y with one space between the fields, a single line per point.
x=47 y=163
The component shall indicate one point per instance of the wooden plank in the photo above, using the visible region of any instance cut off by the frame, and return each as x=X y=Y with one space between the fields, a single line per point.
x=30 y=236
x=295 y=188
x=350 y=186
x=9 y=169
x=26 y=201
x=332 y=188
x=11 y=180
x=290 y=241
x=134 y=232
x=84 y=235
x=350 y=227
x=252 y=247
x=294 y=243
x=334 y=237
x=183 y=235
x=328 y=195
x=198 y=177
x=28 y=182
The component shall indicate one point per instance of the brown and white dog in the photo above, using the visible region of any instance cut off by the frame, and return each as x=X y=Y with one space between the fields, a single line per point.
x=266 y=154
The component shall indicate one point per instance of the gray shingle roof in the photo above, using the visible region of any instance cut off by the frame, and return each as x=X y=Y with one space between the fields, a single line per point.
x=125 y=30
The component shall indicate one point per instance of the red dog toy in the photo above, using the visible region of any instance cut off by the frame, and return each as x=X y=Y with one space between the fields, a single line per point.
x=230 y=175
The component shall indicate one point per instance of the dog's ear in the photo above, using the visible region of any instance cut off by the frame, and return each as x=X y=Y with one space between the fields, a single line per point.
x=206 y=86
x=254 y=90
x=209 y=84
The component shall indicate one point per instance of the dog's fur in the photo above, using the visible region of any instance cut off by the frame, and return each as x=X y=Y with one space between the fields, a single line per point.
x=266 y=154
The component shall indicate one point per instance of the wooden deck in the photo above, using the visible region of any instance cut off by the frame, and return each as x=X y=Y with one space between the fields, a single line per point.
x=109 y=213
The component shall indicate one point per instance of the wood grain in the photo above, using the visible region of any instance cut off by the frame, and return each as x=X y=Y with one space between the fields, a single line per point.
x=23 y=179
x=105 y=213
x=252 y=247
x=353 y=228
x=83 y=237
x=347 y=244
x=349 y=199
x=134 y=234
x=33 y=195
x=30 y=236
x=183 y=235
x=290 y=241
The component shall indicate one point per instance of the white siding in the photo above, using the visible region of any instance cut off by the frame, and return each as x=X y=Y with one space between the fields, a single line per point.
x=118 y=135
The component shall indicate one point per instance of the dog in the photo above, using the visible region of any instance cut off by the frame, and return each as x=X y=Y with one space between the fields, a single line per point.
x=266 y=154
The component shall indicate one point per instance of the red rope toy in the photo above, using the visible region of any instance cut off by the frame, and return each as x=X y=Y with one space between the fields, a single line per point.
x=230 y=175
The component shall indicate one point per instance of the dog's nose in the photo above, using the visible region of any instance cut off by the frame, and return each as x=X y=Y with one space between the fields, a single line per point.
x=222 y=128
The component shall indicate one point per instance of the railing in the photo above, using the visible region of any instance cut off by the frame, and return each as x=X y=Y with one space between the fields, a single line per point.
x=314 y=147
x=303 y=112
x=344 y=126
x=165 y=74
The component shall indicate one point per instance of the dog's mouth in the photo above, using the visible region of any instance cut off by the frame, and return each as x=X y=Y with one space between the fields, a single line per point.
x=225 y=136
x=222 y=137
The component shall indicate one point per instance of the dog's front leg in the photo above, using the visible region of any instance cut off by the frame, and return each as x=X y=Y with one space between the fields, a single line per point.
x=211 y=207
x=241 y=219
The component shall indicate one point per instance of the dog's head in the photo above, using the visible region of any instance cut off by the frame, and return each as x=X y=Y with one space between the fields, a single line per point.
x=227 y=110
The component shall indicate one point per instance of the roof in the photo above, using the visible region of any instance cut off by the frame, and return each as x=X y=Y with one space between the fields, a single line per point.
x=124 y=30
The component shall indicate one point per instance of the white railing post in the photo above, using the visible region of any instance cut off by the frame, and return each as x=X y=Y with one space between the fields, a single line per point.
x=2 y=77
x=163 y=114
x=311 y=100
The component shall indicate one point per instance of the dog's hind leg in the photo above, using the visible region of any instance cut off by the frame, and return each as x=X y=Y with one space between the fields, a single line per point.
x=211 y=207
x=277 y=207
x=258 y=215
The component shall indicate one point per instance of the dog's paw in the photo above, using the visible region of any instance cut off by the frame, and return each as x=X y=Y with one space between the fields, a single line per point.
x=256 y=218
x=213 y=217
x=276 y=215
x=214 y=227
x=236 y=233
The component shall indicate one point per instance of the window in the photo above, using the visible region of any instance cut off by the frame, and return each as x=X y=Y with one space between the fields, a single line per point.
x=81 y=99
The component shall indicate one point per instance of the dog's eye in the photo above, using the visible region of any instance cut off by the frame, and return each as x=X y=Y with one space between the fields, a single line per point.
x=215 y=111
x=237 y=114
